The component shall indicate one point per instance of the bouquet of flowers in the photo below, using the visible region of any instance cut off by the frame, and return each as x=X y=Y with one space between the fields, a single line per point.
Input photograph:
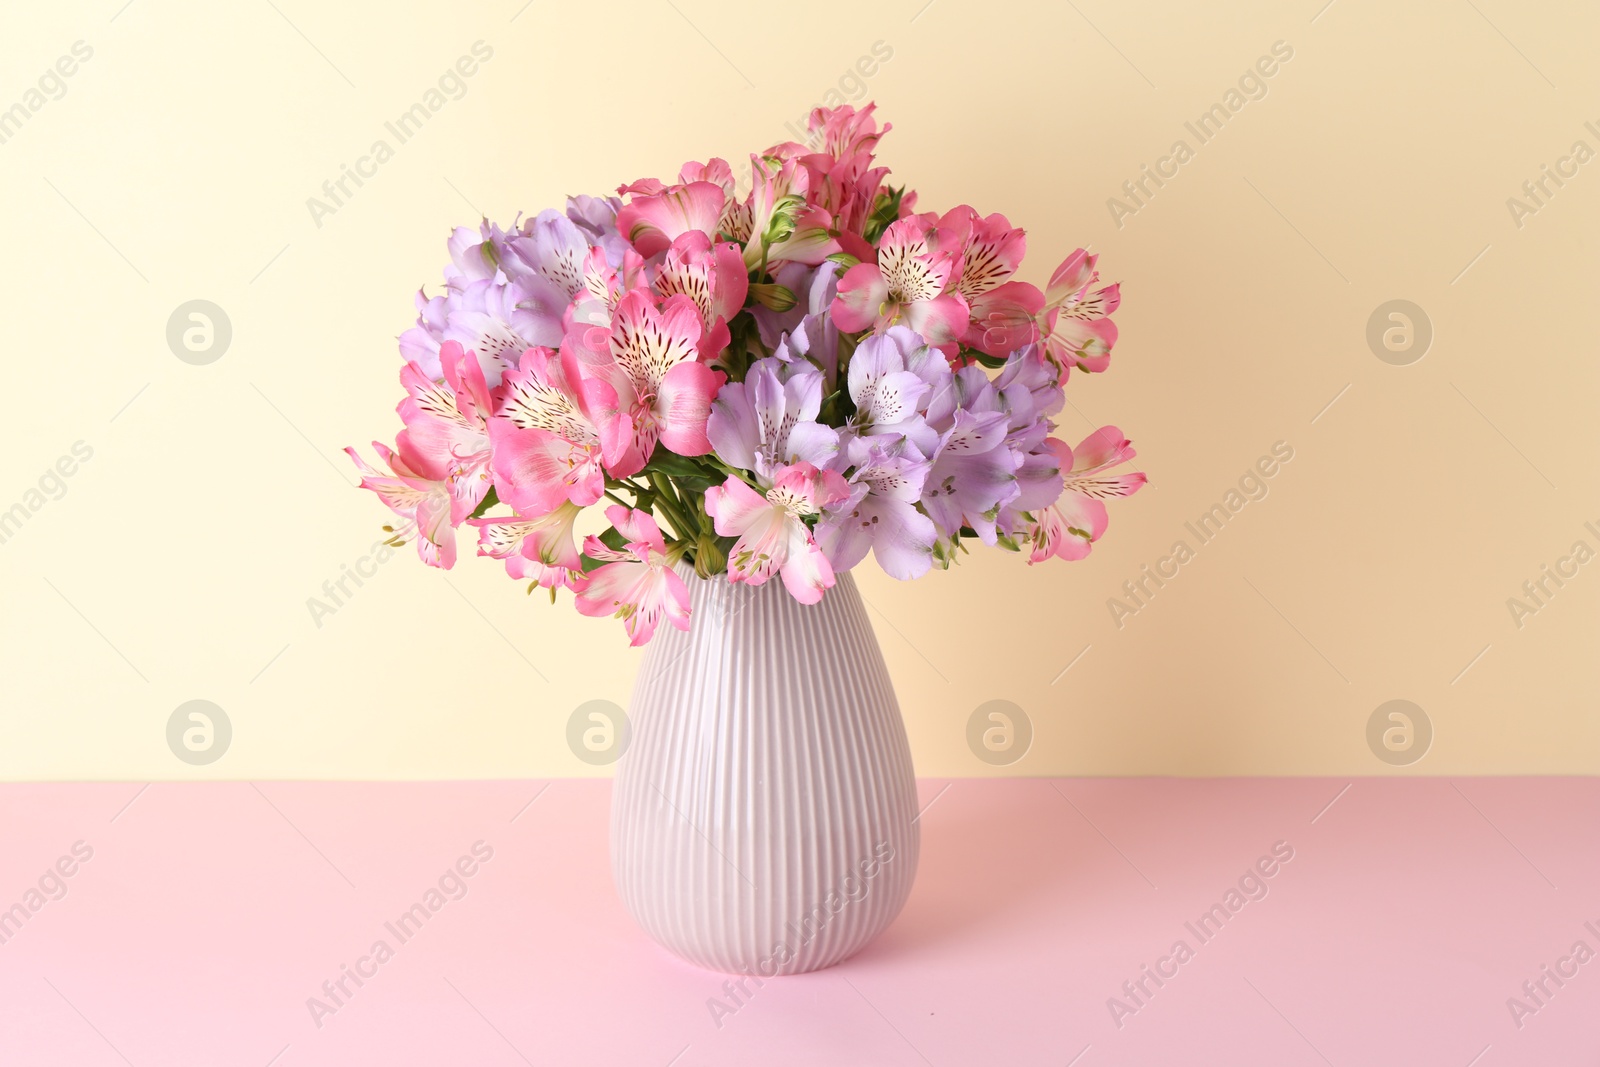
x=772 y=381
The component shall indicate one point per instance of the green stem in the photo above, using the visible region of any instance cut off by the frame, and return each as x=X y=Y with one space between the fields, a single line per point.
x=734 y=471
x=671 y=508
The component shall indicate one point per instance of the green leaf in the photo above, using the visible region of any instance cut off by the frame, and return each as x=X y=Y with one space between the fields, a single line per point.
x=693 y=488
x=884 y=213
x=673 y=465
x=490 y=499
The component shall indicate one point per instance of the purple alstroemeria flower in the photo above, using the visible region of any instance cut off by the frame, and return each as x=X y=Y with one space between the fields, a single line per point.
x=892 y=378
x=974 y=475
x=596 y=216
x=816 y=341
x=1030 y=392
x=880 y=515
x=495 y=320
x=768 y=421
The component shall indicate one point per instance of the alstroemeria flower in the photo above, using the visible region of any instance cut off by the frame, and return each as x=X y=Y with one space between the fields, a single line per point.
x=546 y=441
x=446 y=426
x=838 y=160
x=499 y=321
x=991 y=250
x=881 y=514
x=1002 y=312
x=1069 y=527
x=713 y=277
x=907 y=284
x=418 y=494
x=892 y=377
x=596 y=216
x=846 y=133
x=652 y=221
x=420 y=344
x=814 y=289
x=591 y=310
x=974 y=474
x=663 y=392
x=543 y=549
x=773 y=537
x=1004 y=319
x=1076 y=328
x=768 y=421
x=637 y=584
x=1029 y=392
x=556 y=249
x=785 y=224
x=479 y=255
x=735 y=221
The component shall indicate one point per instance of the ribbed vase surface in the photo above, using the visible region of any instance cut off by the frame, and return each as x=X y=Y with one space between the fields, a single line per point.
x=763 y=819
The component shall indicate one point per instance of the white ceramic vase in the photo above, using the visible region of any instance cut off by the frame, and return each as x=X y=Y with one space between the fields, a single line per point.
x=764 y=814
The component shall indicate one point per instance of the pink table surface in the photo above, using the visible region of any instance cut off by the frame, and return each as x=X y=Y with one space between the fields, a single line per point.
x=209 y=915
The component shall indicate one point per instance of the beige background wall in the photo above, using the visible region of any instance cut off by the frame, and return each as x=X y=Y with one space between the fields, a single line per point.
x=177 y=163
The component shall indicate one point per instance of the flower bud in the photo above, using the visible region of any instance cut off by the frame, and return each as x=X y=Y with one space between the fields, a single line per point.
x=709 y=558
x=772 y=296
x=781 y=224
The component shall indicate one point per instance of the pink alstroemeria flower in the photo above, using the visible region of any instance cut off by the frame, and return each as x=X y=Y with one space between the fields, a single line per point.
x=907 y=284
x=445 y=426
x=1076 y=327
x=772 y=532
x=543 y=550
x=637 y=584
x=786 y=224
x=1069 y=527
x=416 y=493
x=843 y=179
x=663 y=392
x=735 y=221
x=846 y=133
x=596 y=302
x=714 y=277
x=651 y=221
x=545 y=435
x=1002 y=312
